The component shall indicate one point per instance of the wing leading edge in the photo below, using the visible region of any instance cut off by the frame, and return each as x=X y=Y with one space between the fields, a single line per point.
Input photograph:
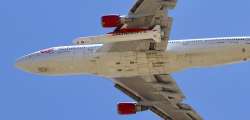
x=160 y=93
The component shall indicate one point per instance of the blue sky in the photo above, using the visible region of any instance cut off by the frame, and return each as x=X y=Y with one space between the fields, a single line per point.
x=218 y=93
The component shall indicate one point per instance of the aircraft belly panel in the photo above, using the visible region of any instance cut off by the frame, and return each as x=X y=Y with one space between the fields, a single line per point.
x=115 y=64
x=215 y=57
x=59 y=64
x=142 y=64
x=157 y=62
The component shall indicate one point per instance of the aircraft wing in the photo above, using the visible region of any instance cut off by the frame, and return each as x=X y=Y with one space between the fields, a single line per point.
x=148 y=13
x=145 y=16
x=160 y=93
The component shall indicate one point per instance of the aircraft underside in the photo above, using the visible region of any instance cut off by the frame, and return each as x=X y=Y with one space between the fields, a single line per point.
x=136 y=63
x=139 y=57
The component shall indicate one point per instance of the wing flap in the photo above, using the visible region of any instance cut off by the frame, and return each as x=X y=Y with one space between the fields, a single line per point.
x=160 y=93
x=175 y=112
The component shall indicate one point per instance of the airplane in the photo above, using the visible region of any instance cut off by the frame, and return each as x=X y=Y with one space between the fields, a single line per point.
x=139 y=58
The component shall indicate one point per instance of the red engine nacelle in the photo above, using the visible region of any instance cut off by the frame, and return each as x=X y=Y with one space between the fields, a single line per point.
x=130 y=108
x=126 y=108
x=111 y=21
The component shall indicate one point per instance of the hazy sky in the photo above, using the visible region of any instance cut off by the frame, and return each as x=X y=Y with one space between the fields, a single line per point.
x=217 y=93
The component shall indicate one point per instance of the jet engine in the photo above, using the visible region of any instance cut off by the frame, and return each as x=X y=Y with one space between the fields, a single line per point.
x=130 y=108
x=109 y=21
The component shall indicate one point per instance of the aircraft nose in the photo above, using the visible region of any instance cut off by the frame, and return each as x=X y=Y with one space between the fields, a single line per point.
x=23 y=63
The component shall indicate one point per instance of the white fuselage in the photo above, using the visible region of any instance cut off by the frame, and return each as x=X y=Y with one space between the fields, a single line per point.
x=180 y=54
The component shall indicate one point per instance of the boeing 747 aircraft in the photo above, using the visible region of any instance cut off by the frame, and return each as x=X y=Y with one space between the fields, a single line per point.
x=139 y=58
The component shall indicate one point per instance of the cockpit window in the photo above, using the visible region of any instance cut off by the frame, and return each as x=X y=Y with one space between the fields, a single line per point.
x=45 y=51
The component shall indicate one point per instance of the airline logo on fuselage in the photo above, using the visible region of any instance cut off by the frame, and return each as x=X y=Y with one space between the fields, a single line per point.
x=47 y=51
